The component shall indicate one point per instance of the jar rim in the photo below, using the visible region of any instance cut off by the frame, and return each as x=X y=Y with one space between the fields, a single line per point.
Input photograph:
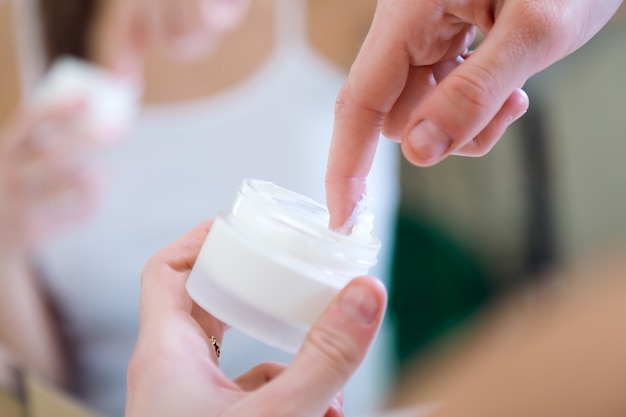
x=274 y=213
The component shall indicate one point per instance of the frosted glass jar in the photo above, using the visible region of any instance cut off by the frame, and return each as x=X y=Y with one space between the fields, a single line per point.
x=271 y=265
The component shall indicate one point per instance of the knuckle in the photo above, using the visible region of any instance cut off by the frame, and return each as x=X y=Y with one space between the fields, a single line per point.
x=341 y=102
x=349 y=101
x=335 y=353
x=473 y=88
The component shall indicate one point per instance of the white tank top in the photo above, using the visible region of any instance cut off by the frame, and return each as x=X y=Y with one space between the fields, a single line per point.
x=181 y=165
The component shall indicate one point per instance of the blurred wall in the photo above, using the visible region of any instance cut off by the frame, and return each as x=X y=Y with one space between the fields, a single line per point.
x=9 y=78
x=553 y=189
x=483 y=203
x=585 y=97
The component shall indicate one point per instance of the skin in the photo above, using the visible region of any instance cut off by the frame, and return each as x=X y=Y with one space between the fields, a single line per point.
x=562 y=357
x=125 y=30
x=174 y=370
x=415 y=81
x=335 y=29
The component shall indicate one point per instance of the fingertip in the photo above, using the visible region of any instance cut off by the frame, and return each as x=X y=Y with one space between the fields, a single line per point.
x=335 y=409
x=363 y=301
x=342 y=196
x=518 y=102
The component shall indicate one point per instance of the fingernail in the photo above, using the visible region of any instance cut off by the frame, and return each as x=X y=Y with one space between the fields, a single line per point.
x=360 y=304
x=516 y=116
x=428 y=141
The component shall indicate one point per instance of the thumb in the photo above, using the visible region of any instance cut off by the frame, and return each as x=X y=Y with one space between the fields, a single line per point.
x=472 y=106
x=333 y=350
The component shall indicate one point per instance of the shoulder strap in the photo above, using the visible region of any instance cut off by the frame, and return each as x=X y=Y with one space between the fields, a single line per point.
x=28 y=33
x=10 y=78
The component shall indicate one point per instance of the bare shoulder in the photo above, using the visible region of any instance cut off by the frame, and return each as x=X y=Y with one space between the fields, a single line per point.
x=336 y=28
x=9 y=75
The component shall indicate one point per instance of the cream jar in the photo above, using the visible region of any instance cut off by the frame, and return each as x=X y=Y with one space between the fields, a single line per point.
x=271 y=265
x=111 y=102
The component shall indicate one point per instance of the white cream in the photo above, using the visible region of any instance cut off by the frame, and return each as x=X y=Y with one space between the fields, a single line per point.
x=271 y=265
x=361 y=222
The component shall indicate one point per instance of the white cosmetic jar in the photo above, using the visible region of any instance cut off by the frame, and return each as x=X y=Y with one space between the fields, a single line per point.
x=271 y=266
x=111 y=102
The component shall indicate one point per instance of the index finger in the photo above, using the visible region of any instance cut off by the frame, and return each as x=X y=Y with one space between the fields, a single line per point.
x=374 y=83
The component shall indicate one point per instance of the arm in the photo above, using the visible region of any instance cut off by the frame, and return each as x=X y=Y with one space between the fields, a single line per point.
x=563 y=358
x=46 y=183
x=26 y=328
x=38 y=154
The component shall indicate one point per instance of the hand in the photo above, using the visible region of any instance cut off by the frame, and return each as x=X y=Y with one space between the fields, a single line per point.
x=415 y=81
x=47 y=176
x=126 y=29
x=174 y=369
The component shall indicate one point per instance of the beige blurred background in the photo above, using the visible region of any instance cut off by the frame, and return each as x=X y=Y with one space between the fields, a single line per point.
x=9 y=79
x=482 y=203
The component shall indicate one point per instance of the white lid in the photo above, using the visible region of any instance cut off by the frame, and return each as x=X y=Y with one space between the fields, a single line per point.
x=111 y=102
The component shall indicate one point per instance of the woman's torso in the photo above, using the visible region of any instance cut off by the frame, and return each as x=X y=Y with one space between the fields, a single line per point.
x=181 y=165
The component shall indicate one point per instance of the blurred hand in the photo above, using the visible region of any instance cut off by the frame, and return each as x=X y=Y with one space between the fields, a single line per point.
x=126 y=29
x=7 y=371
x=415 y=81
x=174 y=370
x=47 y=174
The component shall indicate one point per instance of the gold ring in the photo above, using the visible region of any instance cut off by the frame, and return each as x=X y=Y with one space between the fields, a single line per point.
x=216 y=345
